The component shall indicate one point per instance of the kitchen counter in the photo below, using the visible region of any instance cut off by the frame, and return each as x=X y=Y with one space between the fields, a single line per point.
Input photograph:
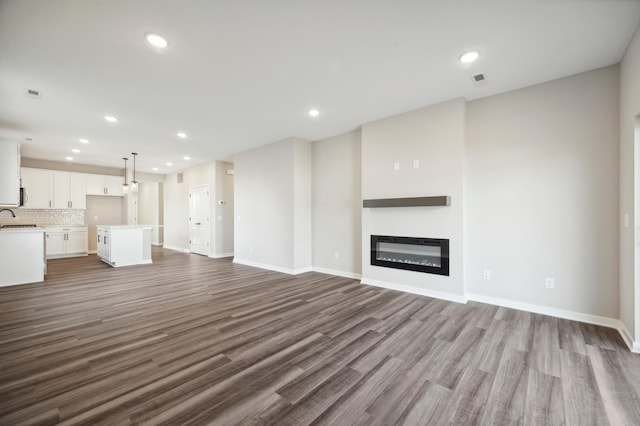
x=22 y=256
x=31 y=229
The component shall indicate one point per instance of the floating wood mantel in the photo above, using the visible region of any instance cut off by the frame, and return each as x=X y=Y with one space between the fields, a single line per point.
x=440 y=200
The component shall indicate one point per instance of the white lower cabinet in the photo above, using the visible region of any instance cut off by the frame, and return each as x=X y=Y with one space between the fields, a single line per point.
x=66 y=241
x=124 y=245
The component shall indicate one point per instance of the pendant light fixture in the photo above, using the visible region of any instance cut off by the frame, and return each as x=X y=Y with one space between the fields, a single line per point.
x=125 y=185
x=134 y=182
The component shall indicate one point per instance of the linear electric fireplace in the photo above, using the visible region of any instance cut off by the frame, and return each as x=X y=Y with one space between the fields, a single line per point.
x=430 y=255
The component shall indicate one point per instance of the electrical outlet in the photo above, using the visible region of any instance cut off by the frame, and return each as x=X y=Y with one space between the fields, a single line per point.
x=549 y=282
x=396 y=166
x=250 y=248
x=336 y=255
x=486 y=274
x=416 y=164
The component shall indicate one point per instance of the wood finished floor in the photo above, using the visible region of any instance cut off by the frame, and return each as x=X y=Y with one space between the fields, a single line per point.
x=193 y=340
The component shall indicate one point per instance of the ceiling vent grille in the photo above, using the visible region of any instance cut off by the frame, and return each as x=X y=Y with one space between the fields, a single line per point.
x=479 y=79
x=33 y=93
x=180 y=178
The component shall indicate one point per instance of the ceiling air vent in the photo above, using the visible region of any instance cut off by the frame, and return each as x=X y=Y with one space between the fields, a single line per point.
x=33 y=93
x=479 y=79
x=180 y=178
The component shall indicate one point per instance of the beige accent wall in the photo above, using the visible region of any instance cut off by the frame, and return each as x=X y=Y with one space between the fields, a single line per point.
x=103 y=210
x=541 y=194
x=337 y=204
x=433 y=136
x=149 y=204
x=629 y=187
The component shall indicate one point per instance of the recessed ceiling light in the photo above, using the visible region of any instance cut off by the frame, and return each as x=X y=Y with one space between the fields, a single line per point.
x=155 y=169
x=156 y=40
x=182 y=135
x=187 y=158
x=111 y=118
x=82 y=140
x=75 y=151
x=68 y=158
x=169 y=164
x=468 y=57
x=314 y=112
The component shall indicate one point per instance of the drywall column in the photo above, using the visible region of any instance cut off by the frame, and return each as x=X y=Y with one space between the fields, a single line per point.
x=629 y=187
x=272 y=206
x=337 y=205
x=416 y=154
x=223 y=218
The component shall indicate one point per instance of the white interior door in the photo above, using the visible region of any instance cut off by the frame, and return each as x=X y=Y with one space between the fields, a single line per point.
x=199 y=219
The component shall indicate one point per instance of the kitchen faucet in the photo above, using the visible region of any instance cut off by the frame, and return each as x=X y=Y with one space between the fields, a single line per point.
x=9 y=210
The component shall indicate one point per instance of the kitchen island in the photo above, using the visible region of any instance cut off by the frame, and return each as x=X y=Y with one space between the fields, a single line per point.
x=124 y=245
x=22 y=256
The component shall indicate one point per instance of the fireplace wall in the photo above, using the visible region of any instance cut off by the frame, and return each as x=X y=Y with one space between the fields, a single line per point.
x=434 y=136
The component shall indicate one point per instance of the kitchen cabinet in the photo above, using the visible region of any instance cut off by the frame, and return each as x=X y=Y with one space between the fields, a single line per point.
x=9 y=174
x=66 y=241
x=22 y=259
x=124 y=245
x=70 y=190
x=38 y=188
x=104 y=185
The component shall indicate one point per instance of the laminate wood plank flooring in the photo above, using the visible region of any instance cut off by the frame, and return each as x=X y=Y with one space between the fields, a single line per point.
x=191 y=340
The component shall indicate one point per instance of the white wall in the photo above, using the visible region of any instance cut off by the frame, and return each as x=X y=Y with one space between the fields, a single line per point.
x=269 y=196
x=542 y=194
x=337 y=204
x=435 y=137
x=176 y=204
x=629 y=185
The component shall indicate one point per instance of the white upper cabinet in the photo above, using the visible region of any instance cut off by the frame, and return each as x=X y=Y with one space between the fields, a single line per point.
x=70 y=190
x=114 y=185
x=104 y=185
x=38 y=188
x=53 y=189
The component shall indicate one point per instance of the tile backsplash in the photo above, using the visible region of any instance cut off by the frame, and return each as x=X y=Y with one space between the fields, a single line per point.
x=44 y=217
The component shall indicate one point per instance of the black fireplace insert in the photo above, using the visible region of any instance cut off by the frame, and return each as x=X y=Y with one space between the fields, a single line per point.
x=430 y=255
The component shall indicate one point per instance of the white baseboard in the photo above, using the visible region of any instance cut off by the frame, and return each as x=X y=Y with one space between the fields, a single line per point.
x=337 y=273
x=183 y=250
x=545 y=310
x=271 y=267
x=628 y=339
x=221 y=255
x=562 y=313
x=415 y=290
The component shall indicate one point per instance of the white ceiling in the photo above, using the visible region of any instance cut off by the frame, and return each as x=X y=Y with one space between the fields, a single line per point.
x=240 y=74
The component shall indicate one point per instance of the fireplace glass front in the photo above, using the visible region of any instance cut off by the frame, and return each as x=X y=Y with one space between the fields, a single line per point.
x=430 y=255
